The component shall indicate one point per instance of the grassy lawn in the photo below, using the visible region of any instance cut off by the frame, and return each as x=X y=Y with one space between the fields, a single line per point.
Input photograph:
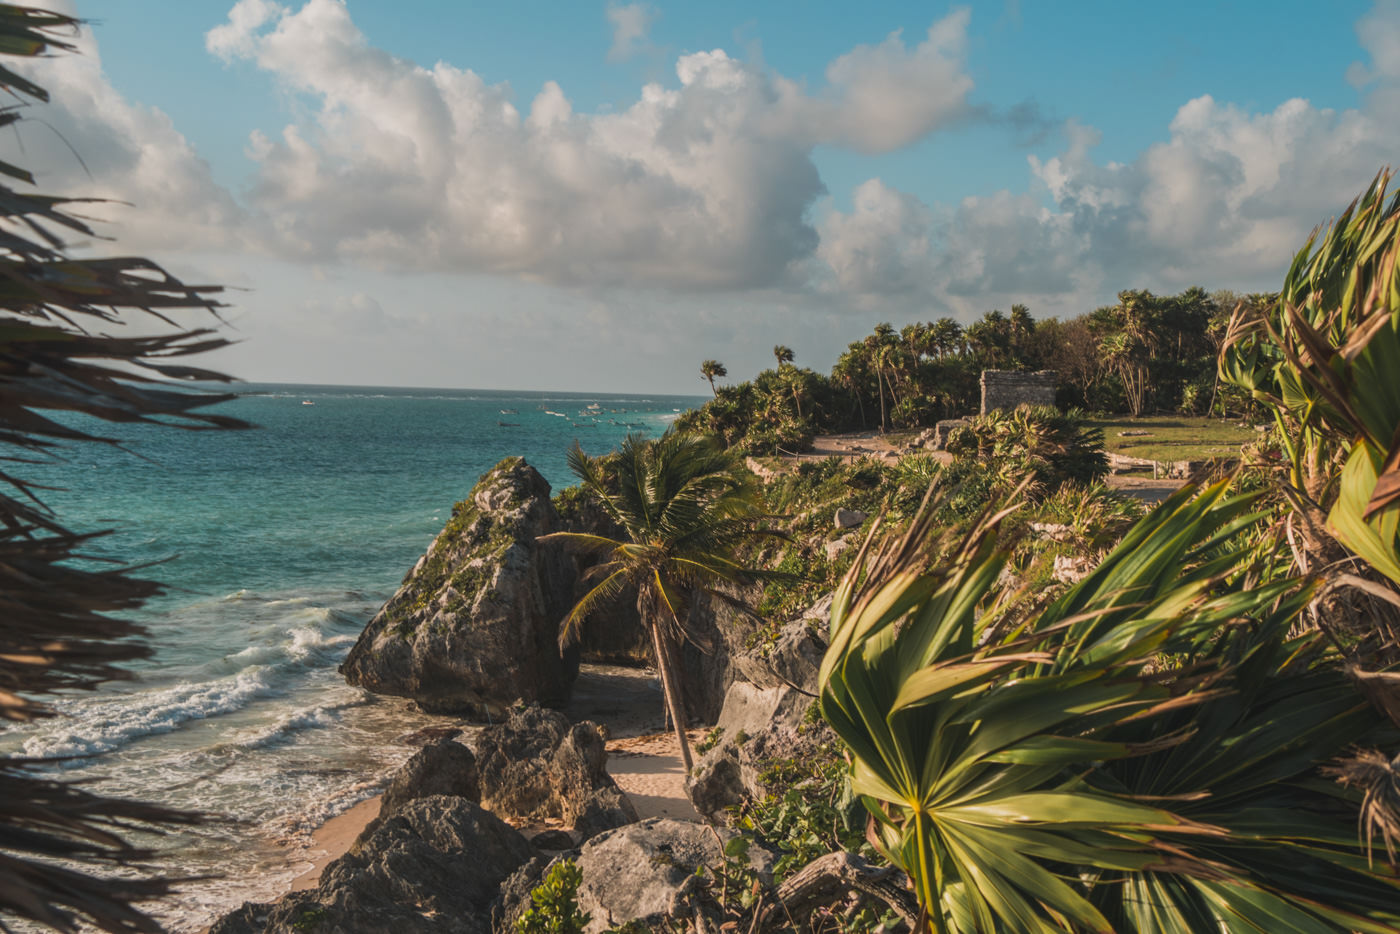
x=1174 y=437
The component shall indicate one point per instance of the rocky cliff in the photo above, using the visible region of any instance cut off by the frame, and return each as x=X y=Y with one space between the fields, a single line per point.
x=474 y=626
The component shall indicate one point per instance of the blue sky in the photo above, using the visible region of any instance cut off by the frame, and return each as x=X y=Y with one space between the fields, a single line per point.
x=598 y=196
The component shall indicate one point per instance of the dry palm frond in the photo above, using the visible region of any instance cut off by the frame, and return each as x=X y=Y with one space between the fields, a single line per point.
x=61 y=846
x=1378 y=777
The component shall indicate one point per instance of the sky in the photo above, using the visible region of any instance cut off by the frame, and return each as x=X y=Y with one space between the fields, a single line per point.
x=599 y=196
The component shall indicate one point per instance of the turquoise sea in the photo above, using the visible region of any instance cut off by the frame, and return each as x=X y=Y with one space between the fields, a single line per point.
x=278 y=544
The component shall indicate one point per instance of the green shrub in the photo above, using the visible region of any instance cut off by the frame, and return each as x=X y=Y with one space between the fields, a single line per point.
x=554 y=903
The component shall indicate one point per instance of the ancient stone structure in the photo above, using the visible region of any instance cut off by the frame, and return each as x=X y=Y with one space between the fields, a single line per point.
x=1006 y=389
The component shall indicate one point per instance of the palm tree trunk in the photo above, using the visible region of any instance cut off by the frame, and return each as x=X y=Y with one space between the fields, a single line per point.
x=671 y=690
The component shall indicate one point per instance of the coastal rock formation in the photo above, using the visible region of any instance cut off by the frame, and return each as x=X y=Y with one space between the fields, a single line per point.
x=444 y=767
x=538 y=766
x=645 y=872
x=766 y=718
x=435 y=867
x=718 y=631
x=474 y=626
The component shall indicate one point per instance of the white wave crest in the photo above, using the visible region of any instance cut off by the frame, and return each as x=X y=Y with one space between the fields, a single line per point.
x=92 y=728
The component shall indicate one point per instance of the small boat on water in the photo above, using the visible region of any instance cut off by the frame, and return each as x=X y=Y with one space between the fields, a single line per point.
x=508 y=424
x=509 y=412
x=307 y=402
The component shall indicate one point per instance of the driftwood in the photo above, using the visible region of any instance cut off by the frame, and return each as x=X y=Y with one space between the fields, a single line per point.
x=834 y=876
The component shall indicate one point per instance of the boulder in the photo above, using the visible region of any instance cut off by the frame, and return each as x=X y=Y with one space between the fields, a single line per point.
x=537 y=766
x=765 y=718
x=645 y=872
x=474 y=627
x=435 y=867
x=848 y=518
x=445 y=767
x=718 y=630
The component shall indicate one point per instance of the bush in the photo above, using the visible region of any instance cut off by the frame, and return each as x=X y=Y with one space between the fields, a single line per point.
x=554 y=903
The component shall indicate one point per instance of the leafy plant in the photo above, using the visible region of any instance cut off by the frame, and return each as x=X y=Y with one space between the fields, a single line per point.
x=1141 y=755
x=554 y=903
x=1323 y=359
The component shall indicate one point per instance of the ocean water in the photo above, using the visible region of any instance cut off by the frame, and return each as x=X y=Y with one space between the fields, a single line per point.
x=278 y=544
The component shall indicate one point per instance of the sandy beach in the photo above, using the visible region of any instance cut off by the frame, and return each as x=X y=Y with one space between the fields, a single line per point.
x=643 y=758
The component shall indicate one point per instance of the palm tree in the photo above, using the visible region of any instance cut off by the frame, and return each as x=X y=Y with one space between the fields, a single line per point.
x=684 y=507
x=784 y=354
x=63 y=625
x=711 y=370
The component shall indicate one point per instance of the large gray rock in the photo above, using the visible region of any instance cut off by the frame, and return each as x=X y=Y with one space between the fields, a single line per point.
x=766 y=717
x=435 y=867
x=444 y=767
x=538 y=766
x=645 y=872
x=474 y=627
x=719 y=630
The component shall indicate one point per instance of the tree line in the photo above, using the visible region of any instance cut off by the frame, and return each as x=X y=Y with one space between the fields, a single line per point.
x=1146 y=354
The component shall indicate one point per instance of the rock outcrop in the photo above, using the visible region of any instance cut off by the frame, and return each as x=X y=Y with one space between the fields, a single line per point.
x=766 y=718
x=474 y=626
x=435 y=867
x=444 y=767
x=538 y=766
x=645 y=872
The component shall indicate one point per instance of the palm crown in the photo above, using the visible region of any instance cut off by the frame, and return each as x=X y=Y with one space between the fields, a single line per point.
x=684 y=508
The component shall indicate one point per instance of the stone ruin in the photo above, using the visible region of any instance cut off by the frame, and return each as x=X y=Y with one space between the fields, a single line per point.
x=1006 y=389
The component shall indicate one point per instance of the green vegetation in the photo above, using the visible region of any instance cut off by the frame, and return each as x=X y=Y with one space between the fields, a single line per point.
x=554 y=903
x=1166 y=438
x=1147 y=353
x=67 y=856
x=1139 y=755
x=684 y=507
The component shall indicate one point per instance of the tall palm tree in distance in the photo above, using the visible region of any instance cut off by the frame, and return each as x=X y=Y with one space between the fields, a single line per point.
x=685 y=507
x=712 y=370
x=784 y=354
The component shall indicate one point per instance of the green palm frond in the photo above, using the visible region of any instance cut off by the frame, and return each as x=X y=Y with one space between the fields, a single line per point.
x=1110 y=764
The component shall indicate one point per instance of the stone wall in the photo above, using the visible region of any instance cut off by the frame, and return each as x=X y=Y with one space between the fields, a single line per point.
x=1006 y=389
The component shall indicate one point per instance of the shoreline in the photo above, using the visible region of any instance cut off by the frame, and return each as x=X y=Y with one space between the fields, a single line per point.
x=643 y=759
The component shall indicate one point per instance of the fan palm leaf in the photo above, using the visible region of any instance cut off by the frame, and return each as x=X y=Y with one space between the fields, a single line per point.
x=1068 y=774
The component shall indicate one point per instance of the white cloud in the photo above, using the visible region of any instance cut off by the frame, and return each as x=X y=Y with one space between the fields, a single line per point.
x=93 y=142
x=702 y=185
x=630 y=23
x=1224 y=200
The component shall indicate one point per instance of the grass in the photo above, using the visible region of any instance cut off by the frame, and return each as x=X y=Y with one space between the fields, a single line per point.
x=1174 y=437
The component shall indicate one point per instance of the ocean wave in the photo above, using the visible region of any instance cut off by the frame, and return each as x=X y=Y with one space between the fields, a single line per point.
x=311 y=718
x=94 y=728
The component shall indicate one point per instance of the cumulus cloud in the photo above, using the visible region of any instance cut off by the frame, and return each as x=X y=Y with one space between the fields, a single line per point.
x=93 y=142
x=1224 y=200
x=630 y=23
x=702 y=185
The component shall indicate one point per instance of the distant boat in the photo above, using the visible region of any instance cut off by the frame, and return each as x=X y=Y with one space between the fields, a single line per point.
x=307 y=402
x=560 y=414
x=508 y=424
x=509 y=412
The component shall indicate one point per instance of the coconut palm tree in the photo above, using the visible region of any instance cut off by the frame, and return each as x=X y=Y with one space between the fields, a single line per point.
x=712 y=370
x=65 y=625
x=685 y=507
x=783 y=354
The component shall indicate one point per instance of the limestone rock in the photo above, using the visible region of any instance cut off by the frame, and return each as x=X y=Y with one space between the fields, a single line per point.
x=435 y=867
x=836 y=546
x=644 y=872
x=553 y=840
x=720 y=631
x=538 y=766
x=445 y=767
x=474 y=626
x=848 y=518
x=765 y=718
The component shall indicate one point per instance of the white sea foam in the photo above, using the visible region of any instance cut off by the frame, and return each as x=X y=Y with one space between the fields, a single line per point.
x=93 y=728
